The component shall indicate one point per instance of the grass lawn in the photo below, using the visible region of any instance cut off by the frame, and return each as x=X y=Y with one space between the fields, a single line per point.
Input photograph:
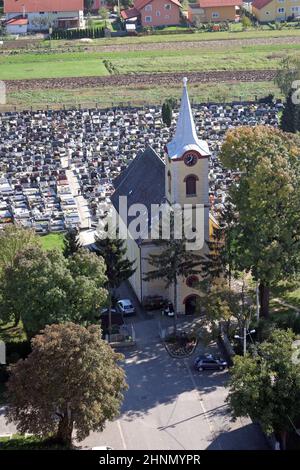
x=138 y=95
x=53 y=240
x=86 y=63
x=27 y=66
x=191 y=60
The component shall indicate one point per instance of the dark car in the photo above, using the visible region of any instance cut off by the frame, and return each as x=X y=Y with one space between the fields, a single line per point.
x=209 y=362
x=116 y=320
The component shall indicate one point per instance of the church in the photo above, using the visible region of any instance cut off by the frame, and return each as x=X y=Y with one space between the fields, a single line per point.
x=181 y=178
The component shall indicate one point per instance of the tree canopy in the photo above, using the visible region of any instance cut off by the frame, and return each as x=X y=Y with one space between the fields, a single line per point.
x=71 y=242
x=13 y=239
x=265 y=238
x=70 y=381
x=118 y=267
x=43 y=287
x=267 y=387
x=288 y=72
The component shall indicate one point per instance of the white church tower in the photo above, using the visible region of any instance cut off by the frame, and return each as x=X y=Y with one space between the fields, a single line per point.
x=187 y=163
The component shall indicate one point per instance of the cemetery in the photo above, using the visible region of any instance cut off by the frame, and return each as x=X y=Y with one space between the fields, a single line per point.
x=57 y=167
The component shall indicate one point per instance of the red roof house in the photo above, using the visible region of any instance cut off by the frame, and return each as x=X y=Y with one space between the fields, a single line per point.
x=42 y=14
x=206 y=11
x=154 y=12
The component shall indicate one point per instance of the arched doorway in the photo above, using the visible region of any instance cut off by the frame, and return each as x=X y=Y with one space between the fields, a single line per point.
x=191 y=302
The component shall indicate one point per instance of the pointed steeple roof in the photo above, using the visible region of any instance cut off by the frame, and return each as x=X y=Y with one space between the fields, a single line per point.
x=185 y=137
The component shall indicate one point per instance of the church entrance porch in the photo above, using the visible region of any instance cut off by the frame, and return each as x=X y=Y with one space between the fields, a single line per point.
x=191 y=303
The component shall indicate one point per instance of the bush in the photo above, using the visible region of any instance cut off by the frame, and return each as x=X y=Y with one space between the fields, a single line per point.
x=91 y=33
x=290 y=320
x=29 y=443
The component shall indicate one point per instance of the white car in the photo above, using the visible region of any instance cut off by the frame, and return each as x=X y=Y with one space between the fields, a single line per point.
x=125 y=306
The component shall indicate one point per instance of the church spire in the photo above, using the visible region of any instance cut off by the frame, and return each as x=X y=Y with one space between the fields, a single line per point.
x=185 y=137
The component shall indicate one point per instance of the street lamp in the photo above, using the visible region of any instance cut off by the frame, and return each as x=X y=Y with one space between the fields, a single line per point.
x=244 y=339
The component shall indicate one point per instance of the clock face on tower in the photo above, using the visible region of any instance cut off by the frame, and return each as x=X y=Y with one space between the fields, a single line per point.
x=190 y=158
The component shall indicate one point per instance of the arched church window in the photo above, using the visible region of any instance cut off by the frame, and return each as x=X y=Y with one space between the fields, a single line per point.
x=169 y=181
x=191 y=185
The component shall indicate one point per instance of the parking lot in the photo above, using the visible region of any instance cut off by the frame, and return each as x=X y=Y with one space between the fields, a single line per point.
x=170 y=406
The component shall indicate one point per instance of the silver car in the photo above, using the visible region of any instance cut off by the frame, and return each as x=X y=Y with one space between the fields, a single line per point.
x=125 y=307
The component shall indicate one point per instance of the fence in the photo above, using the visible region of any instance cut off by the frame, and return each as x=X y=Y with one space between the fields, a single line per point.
x=106 y=106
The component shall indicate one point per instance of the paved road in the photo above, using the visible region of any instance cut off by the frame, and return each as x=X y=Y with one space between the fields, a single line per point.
x=169 y=406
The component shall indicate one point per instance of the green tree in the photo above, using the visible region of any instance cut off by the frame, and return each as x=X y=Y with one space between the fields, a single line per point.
x=267 y=387
x=104 y=13
x=167 y=113
x=71 y=242
x=265 y=237
x=223 y=305
x=70 y=381
x=88 y=291
x=218 y=262
x=167 y=110
x=14 y=239
x=174 y=261
x=123 y=3
x=290 y=120
x=288 y=72
x=43 y=288
x=118 y=267
x=246 y=22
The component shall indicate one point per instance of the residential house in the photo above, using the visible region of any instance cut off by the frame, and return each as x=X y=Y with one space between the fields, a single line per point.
x=39 y=15
x=154 y=12
x=17 y=25
x=207 y=11
x=275 y=10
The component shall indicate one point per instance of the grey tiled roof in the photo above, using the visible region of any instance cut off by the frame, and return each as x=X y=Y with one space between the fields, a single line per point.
x=143 y=181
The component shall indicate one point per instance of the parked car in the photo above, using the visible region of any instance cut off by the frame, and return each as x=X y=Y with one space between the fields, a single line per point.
x=116 y=320
x=209 y=362
x=125 y=307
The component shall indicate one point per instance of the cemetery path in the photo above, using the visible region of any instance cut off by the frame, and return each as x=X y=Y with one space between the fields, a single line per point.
x=81 y=202
x=145 y=79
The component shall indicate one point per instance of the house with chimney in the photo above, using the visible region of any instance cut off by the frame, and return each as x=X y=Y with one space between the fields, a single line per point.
x=24 y=16
x=153 y=13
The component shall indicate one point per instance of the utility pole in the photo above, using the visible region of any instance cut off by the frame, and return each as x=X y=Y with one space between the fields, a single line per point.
x=257 y=301
x=244 y=338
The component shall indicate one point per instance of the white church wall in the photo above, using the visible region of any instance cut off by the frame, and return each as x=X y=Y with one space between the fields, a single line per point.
x=156 y=286
x=133 y=254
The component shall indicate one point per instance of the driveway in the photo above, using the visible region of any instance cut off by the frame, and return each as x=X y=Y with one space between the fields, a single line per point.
x=169 y=406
